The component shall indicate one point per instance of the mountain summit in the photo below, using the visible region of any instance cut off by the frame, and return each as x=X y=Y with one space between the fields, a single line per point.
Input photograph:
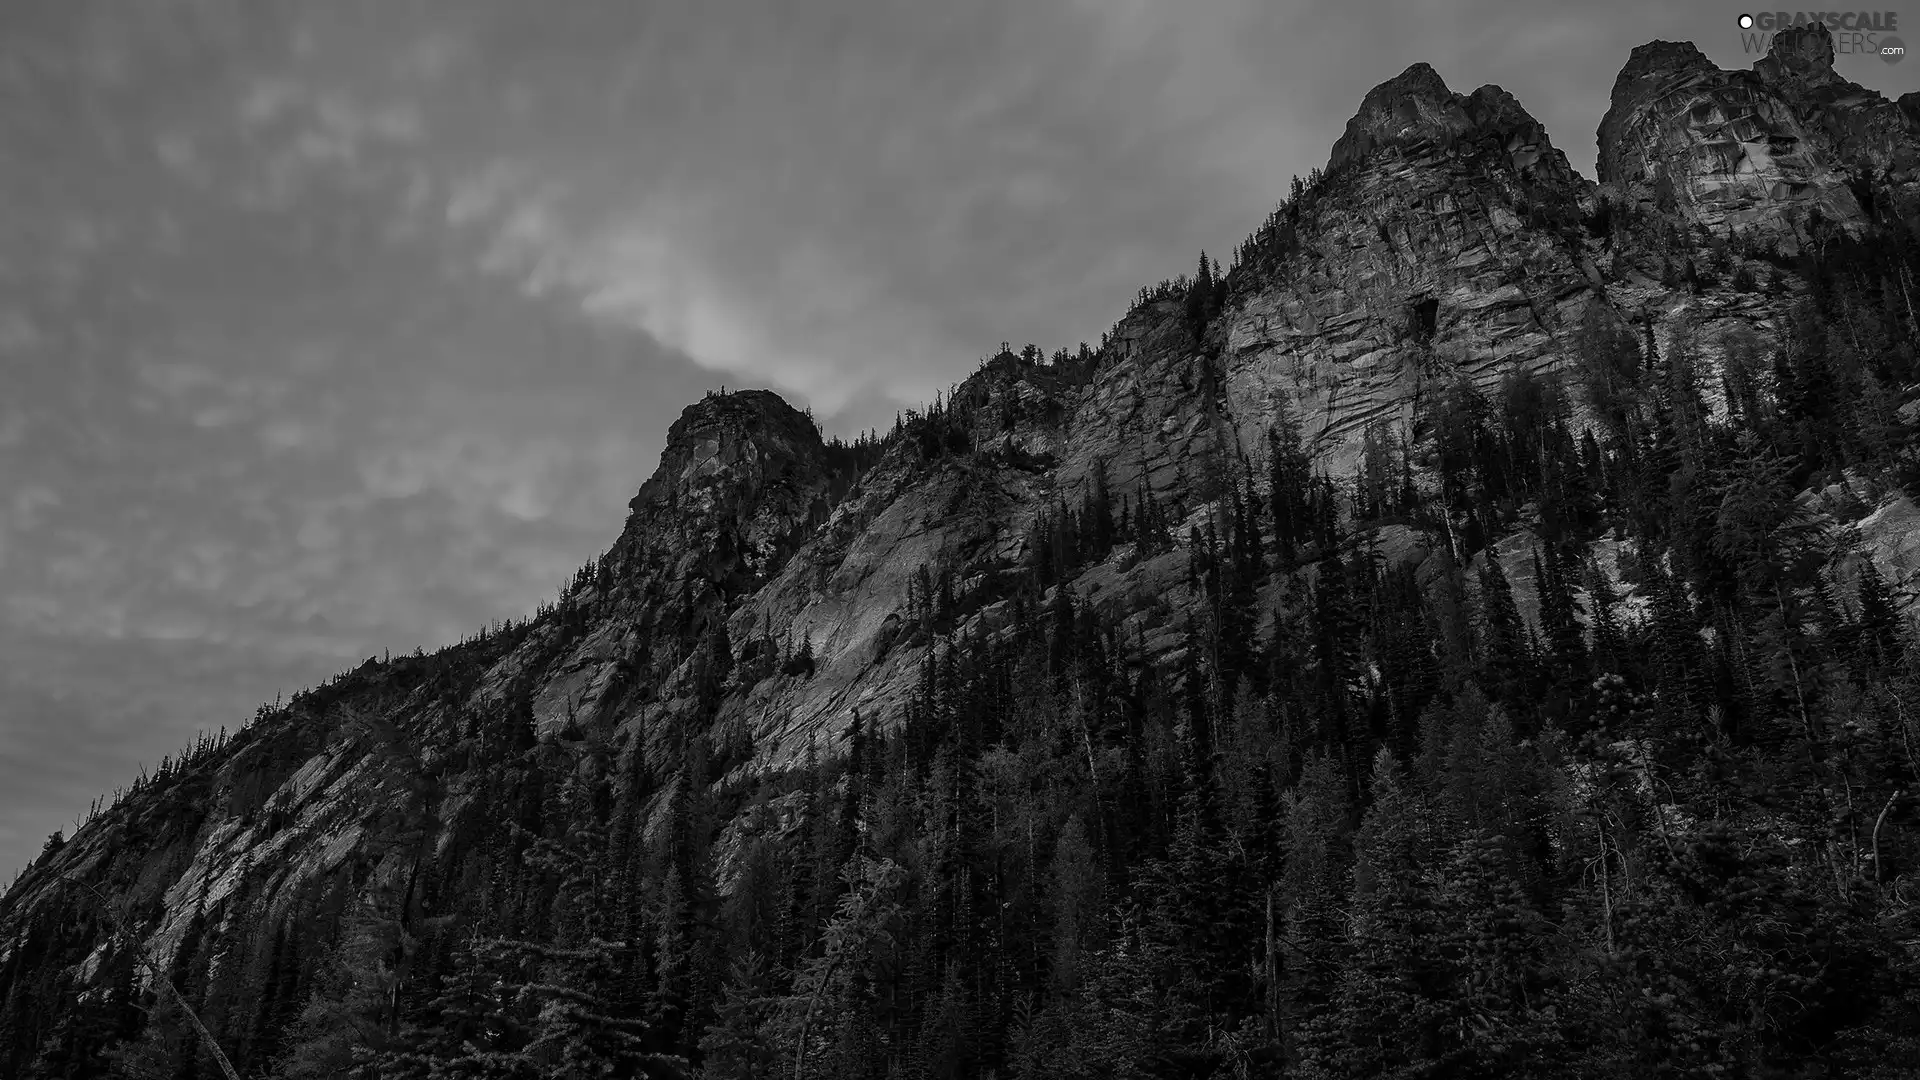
x=1416 y=106
x=1754 y=153
x=1466 y=632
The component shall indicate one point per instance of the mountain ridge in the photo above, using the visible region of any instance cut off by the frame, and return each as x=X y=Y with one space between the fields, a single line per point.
x=774 y=598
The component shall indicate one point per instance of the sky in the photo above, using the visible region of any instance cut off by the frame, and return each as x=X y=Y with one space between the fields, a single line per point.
x=333 y=327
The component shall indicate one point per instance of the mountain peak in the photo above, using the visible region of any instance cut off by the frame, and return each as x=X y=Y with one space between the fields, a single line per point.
x=1418 y=106
x=1661 y=59
x=740 y=470
x=1652 y=70
x=1413 y=105
x=1494 y=109
x=1761 y=153
x=742 y=412
x=723 y=430
x=1803 y=53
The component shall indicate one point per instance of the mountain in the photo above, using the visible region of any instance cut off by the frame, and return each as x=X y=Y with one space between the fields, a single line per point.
x=1468 y=631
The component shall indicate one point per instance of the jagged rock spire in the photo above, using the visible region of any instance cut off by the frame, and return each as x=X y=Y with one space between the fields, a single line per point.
x=1802 y=53
x=1414 y=104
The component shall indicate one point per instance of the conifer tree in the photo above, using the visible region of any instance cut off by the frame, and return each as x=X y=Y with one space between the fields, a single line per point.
x=1312 y=893
x=1500 y=1010
x=1288 y=488
x=1503 y=634
x=1564 y=641
x=736 y=1047
x=1388 y=1014
x=1883 y=631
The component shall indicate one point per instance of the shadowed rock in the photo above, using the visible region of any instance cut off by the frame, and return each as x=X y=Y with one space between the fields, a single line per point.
x=1412 y=106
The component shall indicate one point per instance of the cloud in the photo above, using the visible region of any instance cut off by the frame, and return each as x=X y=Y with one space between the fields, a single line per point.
x=268 y=99
x=288 y=434
x=643 y=266
x=858 y=218
x=515 y=479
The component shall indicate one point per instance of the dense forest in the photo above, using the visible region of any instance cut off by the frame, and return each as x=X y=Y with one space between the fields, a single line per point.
x=1375 y=822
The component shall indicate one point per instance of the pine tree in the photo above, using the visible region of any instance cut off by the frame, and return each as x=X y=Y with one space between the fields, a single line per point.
x=1387 y=1015
x=1074 y=893
x=1098 y=512
x=1607 y=636
x=561 y=996
x=862 y=920
x=1883 y=631
x=1060 y=632
x=1499 y=1010
x=1503 y=634
x=736 y=1046
x=1564 y=641
x=471 y=1027
x=1288 y=487
x=1311 y=894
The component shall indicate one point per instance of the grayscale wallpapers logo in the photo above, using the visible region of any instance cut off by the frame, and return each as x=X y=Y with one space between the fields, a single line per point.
x=1855 y=33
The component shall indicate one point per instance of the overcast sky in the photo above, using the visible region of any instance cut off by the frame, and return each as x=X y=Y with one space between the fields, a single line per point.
x=330 y=328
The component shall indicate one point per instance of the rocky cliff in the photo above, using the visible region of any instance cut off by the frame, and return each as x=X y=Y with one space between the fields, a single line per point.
x=763 y=594
x=1444 y=242
x=1755 y=153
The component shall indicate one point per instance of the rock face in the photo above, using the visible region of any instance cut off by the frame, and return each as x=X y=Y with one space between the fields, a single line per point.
x=1752 y=152
x=1448 y=240
x=1447 y=244
x=1851 y=123
x=740 y=474
x=742 y=479
x=1410 y=109
x=742 y=482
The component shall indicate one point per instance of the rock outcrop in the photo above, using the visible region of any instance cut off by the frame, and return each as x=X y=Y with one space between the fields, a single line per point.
x=1446 y=243
x=1753 y=153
